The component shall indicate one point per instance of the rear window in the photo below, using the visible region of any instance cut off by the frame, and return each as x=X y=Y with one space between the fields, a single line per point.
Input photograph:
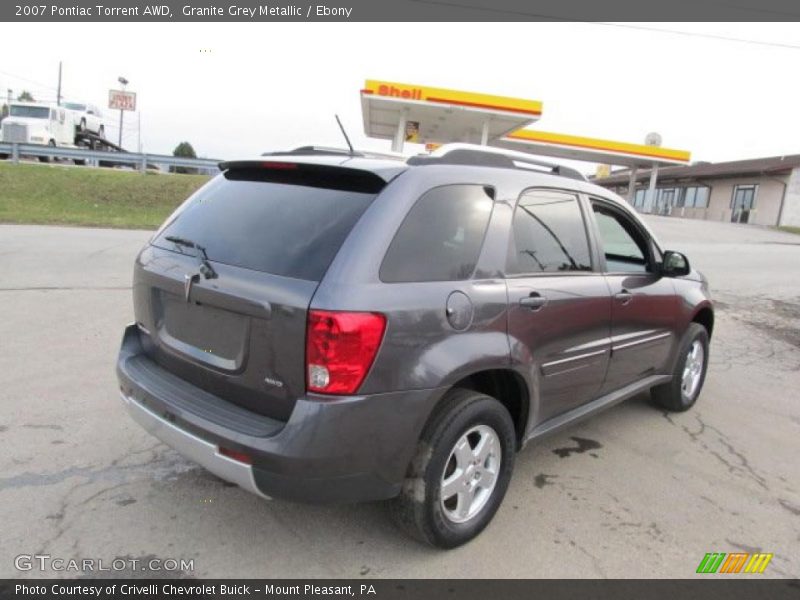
x=285 y=220
x=441 y=237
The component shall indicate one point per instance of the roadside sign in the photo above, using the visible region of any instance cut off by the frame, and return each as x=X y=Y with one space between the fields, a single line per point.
x=121 y=100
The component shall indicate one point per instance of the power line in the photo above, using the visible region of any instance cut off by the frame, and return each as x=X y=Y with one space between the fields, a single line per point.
x=562 y=19
x=710 y=36
x=44 y=85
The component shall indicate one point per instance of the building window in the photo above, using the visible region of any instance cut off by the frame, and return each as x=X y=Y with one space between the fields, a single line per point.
x=694 y=197
x=744 y=197
x=742 y=202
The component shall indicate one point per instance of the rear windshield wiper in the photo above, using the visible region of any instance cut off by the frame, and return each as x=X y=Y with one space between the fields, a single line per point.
x=202 y=257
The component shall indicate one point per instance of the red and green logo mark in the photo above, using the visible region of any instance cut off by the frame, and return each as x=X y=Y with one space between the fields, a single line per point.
x=736 y=562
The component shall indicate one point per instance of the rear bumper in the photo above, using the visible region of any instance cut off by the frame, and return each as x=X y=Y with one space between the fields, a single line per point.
x=192 y=447
x=347 y=449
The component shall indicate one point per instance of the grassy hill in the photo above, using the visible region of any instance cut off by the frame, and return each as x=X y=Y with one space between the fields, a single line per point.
x=67 y=195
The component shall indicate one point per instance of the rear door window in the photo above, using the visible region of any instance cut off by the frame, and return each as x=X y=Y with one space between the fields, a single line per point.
x=287 y=220
x=549 y=235
x=441 y=237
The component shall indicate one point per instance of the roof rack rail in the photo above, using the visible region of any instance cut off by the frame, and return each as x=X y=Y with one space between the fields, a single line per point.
x=489 y=156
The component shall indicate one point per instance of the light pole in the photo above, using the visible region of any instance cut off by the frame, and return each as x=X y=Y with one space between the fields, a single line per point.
x=122 y=82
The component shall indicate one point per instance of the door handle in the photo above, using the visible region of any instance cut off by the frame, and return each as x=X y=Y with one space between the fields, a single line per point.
x=624 y=297
x=533 y=302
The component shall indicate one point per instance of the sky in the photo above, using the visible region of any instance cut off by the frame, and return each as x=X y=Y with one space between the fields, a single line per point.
x=237 y=89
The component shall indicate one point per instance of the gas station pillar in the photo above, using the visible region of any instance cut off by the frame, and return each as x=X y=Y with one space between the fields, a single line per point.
x=650 y=198
x=400 y=134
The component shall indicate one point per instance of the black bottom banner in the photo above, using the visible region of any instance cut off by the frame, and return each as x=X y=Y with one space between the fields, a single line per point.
x=390 y=589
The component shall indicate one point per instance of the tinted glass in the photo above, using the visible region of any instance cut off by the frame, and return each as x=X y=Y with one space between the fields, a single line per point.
x=246 y=219
x=441 y=237
x=549 y=235
x=624 y=247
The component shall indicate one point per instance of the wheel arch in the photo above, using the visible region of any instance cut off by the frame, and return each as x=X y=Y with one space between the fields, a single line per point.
x=704 y=315
x=508 y=388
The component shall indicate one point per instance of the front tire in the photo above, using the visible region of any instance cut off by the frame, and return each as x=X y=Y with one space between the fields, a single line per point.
x=460 y=472
x=46 y=159
x=681 y=393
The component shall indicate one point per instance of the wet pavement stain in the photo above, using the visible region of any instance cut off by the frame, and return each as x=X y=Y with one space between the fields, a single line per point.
x=542 y=479
x=584 y=445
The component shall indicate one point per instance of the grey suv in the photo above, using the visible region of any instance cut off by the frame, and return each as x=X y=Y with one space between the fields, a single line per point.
x=342 y=328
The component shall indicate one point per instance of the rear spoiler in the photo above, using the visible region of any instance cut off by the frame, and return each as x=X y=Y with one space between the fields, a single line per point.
x=282 y=169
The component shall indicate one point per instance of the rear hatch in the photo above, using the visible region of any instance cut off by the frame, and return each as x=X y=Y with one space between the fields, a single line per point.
x=221 y=294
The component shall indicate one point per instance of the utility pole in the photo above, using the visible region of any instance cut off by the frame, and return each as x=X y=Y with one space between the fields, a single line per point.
x=124 y=83
x=58 y=97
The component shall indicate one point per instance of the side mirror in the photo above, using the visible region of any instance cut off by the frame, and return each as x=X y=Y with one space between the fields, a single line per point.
x=675 y=264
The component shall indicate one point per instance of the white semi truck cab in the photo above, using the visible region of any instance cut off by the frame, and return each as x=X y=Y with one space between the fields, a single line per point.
x=38 y=123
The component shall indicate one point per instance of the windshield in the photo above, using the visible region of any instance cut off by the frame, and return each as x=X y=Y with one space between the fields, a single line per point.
x=284 y=223
x=30 y=112
x=74 y=106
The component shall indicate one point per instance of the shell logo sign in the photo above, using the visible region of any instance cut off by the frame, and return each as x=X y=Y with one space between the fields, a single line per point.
x=419 y=93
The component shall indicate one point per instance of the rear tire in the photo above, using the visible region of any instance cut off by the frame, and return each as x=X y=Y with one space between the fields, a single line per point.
x=681 y=393
x=467 y=449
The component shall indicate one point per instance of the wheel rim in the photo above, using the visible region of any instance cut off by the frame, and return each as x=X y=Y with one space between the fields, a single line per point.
x=470 y=473
x=693 y=370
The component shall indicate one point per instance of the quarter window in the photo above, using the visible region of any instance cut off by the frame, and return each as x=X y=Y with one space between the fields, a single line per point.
x=549 y=235
x=441 y=237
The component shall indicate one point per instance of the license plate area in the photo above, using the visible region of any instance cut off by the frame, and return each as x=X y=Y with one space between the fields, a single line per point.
x=201 y=332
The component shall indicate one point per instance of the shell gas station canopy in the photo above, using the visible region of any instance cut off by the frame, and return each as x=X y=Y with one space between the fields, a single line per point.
x=418 y=114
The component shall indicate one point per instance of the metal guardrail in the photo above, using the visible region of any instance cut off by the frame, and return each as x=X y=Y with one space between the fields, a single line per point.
x=139 y=161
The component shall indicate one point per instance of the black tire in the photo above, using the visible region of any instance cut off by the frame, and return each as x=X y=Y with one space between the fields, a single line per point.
x=672 y=396
x=46 y=159
x=419 y=509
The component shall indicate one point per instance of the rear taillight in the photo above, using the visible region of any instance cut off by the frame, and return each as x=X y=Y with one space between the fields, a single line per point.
x=340 y=348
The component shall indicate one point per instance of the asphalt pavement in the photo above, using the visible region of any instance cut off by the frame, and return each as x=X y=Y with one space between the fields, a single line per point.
x=635 y=492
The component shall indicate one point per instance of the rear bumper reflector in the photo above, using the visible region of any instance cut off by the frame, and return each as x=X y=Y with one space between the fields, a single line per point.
x=224 y=463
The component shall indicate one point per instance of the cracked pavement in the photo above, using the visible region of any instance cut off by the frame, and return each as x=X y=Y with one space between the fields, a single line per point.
x=635 y=492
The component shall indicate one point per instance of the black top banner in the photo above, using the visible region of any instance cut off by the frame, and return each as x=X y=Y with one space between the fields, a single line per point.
x=399 y=10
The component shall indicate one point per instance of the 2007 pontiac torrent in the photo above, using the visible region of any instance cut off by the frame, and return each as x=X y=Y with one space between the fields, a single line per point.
x=325 y=326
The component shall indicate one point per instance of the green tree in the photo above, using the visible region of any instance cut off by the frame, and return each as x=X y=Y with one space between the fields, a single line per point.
x=184 y=150
x=26 y=96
